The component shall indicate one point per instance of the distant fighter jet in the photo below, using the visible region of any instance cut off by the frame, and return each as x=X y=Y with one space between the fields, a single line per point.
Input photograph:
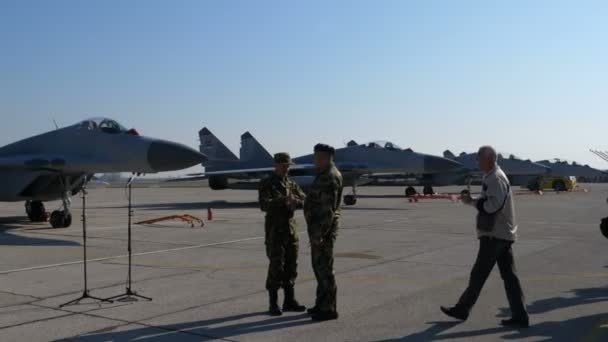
x=354 y=161
x=519 y=171
x=57 y=164
x=583 y=173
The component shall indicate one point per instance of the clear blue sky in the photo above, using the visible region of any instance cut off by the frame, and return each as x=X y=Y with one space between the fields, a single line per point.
x=530 y=77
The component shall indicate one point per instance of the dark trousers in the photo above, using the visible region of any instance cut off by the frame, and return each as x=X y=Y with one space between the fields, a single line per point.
x=492 y=251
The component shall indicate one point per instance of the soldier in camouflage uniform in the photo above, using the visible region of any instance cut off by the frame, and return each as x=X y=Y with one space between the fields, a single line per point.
x=322 y=212
x=279 y=197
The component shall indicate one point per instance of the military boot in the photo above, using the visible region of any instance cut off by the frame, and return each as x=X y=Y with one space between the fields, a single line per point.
x=290 y=303
x=274 y=309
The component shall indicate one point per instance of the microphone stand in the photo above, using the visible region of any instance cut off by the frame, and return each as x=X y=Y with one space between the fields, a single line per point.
x=129 y=295
x=85 y=293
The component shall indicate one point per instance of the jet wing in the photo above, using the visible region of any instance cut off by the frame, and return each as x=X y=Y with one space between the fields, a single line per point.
x=296 y=170
x=46 y=162
x=247 y=172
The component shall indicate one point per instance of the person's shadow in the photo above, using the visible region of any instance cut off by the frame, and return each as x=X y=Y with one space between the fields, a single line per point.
x=591 y=327
x=207 y=329
x=581 y=297
x=433 y=332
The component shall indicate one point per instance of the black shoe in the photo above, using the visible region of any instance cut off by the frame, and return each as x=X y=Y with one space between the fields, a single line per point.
x=314 y=310
x=293 y=306
x=516 y=323
x=455 y=313
x=290 y=303
x=273 y=309
x=321 y=316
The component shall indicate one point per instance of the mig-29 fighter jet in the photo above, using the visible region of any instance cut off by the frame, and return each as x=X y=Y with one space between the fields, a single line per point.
x=354 y=161
x=57 y=164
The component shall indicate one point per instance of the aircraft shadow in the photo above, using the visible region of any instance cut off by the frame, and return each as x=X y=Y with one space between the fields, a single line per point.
x=206 y=329
x=9 y=239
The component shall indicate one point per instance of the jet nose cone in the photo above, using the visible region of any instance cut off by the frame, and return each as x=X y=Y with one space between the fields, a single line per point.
x=170 y=156
x=434 y=164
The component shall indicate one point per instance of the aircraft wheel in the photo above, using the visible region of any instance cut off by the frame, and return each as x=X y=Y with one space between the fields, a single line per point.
x=67 y=221
x=410 y=191
x=534 y=185
x=465 y=192
x=350 y=200
x=428 y=190
x=559 y=185
x=58 y=220
x=35 y=211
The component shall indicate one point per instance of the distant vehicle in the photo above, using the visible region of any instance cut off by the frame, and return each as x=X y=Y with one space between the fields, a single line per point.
x=355 y=161
x=583 y=173
x=552 y=182
x=57 y=164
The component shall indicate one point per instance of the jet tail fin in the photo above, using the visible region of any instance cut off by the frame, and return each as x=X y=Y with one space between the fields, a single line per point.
x=448 y=154
x=253 y=153
x=214 y=149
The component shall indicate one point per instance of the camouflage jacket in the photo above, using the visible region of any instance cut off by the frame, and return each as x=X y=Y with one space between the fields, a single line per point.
x=273 y=194
x=322 y=205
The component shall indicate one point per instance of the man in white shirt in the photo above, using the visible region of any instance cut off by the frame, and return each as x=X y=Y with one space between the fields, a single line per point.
x=497 y=231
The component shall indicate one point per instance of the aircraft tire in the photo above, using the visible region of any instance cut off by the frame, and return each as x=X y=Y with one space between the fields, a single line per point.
x=350 y=200
x=559 y=185
x=35 y=211
x=410 y=191
x=57 y=220
x=428 y=190
x=67 y=221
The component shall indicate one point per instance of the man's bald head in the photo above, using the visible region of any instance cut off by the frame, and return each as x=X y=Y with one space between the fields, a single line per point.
x=487 y=158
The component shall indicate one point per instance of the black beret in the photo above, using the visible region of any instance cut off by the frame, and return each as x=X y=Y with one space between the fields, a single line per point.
x=325 y=148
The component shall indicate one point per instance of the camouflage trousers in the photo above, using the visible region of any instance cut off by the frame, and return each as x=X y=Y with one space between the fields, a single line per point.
x=323 y=266
x=282 y=247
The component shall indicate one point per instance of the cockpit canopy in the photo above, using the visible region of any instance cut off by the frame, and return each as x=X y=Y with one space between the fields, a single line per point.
x=105 y=125
x=382 y=144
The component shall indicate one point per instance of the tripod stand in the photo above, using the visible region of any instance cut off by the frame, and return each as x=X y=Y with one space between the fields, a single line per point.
x=129 y=295
x=85 y=293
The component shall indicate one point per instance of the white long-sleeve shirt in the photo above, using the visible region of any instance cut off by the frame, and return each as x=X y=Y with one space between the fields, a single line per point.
x=495 y=189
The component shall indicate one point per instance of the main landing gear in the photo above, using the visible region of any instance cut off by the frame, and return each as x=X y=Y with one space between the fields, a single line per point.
x=35 y=211
x=410 y=191
x=352 y=198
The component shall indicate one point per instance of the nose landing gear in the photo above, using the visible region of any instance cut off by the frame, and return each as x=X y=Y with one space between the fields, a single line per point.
x=62 y=218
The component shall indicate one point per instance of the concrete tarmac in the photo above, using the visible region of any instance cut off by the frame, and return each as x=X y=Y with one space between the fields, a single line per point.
x=396 y=263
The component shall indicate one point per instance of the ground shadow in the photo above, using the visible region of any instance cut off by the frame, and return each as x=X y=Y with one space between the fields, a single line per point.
x=381 y=196
x=13 y=222
x=356 y=208
x=588 y=328
x=9 y=239
x=435 y=329
x=580 y=297
x=213 y=328
x=192 y=205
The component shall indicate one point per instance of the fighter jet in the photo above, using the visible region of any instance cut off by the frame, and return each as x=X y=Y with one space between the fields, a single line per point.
x=583 y=173
x=354 y=161
x=519 y=171
x=57 y=164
